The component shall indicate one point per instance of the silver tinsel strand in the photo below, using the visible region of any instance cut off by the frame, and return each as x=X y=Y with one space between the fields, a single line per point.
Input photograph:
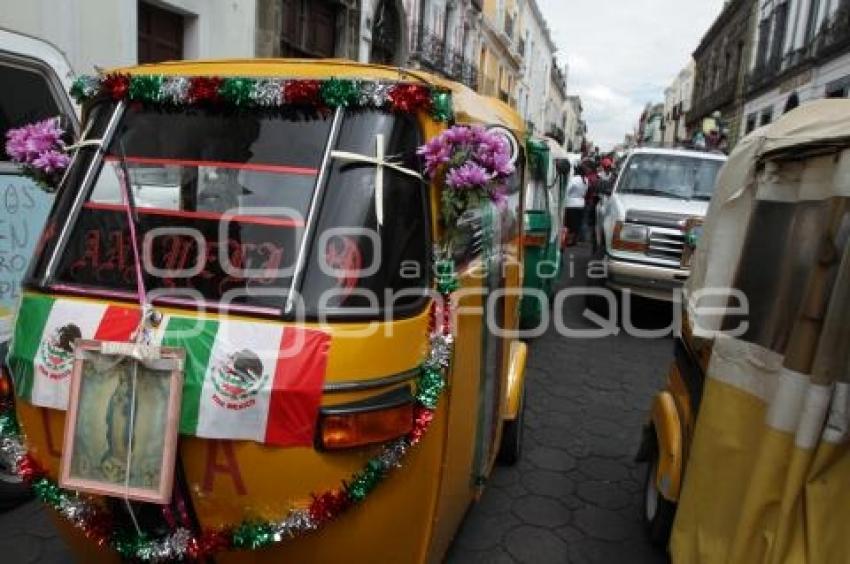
x=297 y=522
x=374 y=94
x=440 y=354
x=11 y=452
x=74 y=509
x=90 y=85
x=175 y=89
x=393 y=454
x=168 y=549
x=268 y=93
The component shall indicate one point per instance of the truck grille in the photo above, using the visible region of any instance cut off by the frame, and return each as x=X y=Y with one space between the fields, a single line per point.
x=666 y=244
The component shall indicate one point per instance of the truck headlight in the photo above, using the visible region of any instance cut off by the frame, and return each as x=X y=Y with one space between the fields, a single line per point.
x=630 y=237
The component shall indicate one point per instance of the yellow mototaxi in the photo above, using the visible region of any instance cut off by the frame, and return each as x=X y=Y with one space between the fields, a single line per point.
x=747 y=446
x=248 y=500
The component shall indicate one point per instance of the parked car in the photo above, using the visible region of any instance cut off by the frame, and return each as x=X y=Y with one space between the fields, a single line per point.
x=651 y=216
x=41 y=77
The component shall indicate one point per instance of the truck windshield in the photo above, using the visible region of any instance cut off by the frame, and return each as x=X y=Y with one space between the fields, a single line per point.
x=670 y=176
x=223 y=200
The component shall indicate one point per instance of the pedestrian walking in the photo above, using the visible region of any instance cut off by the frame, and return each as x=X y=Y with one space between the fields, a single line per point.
x=576 y=192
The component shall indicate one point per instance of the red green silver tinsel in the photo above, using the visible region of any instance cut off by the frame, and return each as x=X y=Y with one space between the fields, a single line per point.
x=247 y=92
x=182 y=544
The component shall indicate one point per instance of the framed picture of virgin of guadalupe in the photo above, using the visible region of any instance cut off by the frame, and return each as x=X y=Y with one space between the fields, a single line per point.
x=123 y=414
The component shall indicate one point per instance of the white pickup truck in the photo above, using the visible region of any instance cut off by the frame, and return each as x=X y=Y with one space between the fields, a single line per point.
x=654 y=210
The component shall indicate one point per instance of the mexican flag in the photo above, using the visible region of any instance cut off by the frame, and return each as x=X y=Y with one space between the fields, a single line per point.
x=247 y=380
x=42 y=352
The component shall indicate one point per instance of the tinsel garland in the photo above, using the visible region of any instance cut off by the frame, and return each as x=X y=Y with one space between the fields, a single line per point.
x=182 y=544
x=244 y=92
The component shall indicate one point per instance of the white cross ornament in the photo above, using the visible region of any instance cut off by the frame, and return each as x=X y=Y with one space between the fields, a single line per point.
x=380 y=162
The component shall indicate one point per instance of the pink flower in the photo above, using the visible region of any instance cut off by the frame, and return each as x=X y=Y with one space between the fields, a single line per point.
x=469 y=175
x=26 y=144
x=51 y=161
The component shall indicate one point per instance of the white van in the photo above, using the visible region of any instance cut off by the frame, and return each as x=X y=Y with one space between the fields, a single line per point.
x=36 y=78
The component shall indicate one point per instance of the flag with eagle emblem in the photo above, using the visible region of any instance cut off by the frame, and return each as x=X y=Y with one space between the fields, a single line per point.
x=243 y=380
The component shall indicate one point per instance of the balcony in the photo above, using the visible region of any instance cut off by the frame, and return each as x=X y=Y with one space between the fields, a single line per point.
x=432 y=53
x=720 y=96
x=834 y=36
x=831 y=40
x=430 y=50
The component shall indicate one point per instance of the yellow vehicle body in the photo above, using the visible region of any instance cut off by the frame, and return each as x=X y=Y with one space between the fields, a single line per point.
x=748 y=440
x=413 y=515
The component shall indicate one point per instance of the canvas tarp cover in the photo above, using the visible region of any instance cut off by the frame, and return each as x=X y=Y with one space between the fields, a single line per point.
x=768 y=474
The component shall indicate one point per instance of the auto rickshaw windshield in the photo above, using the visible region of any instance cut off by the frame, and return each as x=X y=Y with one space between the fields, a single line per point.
x=227 y=200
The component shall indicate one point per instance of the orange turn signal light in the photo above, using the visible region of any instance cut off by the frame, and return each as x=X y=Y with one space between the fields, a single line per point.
x=534 y=240
x=630 y=238
x=366 y=427
x=6 y=387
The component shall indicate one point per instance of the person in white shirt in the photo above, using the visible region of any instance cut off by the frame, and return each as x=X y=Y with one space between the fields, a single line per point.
x=576 y=191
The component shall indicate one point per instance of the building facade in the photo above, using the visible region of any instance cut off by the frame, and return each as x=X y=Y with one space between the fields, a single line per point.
x=575 y=128
x=721 y=63
x=802 y=52
x=556 y=105
x=439 y=36
x=650 y=130
x=677 y=103
x=535 y=96
x=108 y=33
x=499 y=58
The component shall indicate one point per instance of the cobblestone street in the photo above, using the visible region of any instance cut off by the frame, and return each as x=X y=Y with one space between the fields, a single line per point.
x=575 y=496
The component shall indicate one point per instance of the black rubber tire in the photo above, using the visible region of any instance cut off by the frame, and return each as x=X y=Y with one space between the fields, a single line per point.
x=12 y=494
x=510 y=449
x=657 y=515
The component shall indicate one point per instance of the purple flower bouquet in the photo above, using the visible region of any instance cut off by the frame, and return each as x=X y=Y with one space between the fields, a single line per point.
x=473 y=163
x=39 y=148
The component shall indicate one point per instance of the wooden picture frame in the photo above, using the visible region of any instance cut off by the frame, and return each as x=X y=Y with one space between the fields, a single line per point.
x=122 y=420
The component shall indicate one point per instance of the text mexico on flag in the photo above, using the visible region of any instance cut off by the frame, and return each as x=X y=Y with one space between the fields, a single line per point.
x=243 y=380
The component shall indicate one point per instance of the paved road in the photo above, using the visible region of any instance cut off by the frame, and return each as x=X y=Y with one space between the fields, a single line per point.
x=574 y=496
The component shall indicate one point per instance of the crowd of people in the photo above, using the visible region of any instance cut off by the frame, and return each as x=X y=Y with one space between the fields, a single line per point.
x=591 y=177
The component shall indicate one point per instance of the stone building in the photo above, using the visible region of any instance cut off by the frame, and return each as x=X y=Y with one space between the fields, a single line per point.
x=442 y=37
x=721 y=65
x=677 y=103
x=555 y=121
x=574 y=125
x=802 y=52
